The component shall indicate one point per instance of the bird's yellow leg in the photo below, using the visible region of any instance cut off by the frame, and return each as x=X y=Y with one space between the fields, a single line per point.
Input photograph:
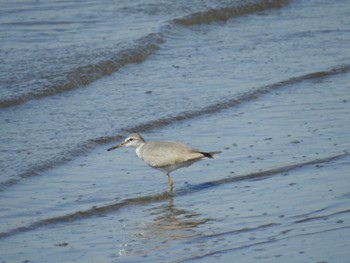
x=170 y=183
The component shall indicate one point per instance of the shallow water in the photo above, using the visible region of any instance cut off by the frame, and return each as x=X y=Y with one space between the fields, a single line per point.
x=268 y=84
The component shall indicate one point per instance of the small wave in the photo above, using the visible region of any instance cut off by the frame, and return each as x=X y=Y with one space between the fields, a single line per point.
x=95 y=211
x=57 y=161
x=236 y=100
x=85 y=75
x=321 y=217
x=226 y=13
x=142 y=200
x=60 y=159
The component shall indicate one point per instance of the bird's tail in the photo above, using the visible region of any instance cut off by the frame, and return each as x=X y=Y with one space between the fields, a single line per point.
x=211 y=155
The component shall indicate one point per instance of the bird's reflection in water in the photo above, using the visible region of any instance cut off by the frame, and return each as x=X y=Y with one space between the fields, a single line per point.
x=162 y=224
x=173 y=223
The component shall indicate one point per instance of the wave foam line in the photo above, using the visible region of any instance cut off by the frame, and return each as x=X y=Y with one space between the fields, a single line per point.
x=85 y=75
x=226 y=13
x=103 y=210
x=237 y=100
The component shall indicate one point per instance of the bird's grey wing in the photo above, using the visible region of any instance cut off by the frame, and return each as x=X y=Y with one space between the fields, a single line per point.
x=160 y=154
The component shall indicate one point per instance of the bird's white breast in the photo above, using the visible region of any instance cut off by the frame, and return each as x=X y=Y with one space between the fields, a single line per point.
x=138 y=152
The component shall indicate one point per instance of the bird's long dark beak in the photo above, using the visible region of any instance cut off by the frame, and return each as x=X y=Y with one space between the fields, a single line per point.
x=116 y=147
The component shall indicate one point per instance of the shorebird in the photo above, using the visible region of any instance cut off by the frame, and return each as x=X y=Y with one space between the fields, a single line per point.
x=164 y=155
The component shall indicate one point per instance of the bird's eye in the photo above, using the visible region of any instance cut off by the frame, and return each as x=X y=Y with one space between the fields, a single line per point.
x=131 y=139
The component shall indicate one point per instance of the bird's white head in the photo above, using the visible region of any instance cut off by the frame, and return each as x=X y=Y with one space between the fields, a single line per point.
x=134 y=140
